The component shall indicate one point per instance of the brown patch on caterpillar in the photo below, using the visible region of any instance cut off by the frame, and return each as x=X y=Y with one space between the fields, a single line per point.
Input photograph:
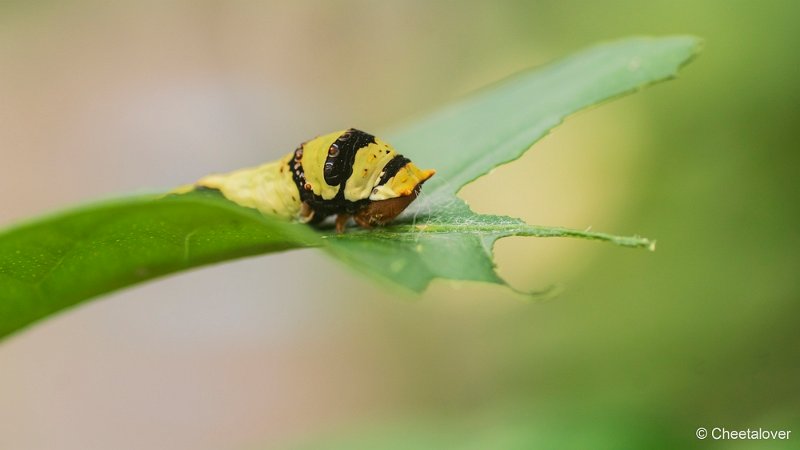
x=382 y=212
x=341 y=222
x=306 y=213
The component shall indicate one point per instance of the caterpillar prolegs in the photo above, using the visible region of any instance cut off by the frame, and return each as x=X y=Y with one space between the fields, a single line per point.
x=348 y=173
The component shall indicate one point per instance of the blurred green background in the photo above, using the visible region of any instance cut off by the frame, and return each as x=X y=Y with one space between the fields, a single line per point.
x=291 y=350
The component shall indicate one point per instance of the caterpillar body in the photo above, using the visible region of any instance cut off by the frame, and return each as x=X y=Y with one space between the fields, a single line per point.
x=348 y=173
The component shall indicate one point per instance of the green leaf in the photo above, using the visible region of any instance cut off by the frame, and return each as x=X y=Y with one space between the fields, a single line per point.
x=452 y=243
x=65 y=259
x=497 y=125
x=60 y=261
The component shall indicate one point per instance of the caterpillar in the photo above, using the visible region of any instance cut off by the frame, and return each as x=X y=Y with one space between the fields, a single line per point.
x=347 y=173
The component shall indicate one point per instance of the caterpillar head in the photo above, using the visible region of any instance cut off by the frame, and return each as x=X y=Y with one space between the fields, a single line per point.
x=402 y=181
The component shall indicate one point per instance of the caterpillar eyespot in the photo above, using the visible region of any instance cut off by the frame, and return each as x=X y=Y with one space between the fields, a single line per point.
x=348 y=173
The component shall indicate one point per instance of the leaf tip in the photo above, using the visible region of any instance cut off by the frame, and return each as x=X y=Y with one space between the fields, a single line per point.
x=690 y=40
x=693 y=45
x=540 y=295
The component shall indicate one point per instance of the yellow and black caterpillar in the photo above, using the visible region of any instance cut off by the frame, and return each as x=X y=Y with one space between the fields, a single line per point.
x=348 y=173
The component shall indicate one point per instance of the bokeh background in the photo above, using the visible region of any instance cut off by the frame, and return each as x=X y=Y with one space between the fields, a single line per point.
x=293 y=350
